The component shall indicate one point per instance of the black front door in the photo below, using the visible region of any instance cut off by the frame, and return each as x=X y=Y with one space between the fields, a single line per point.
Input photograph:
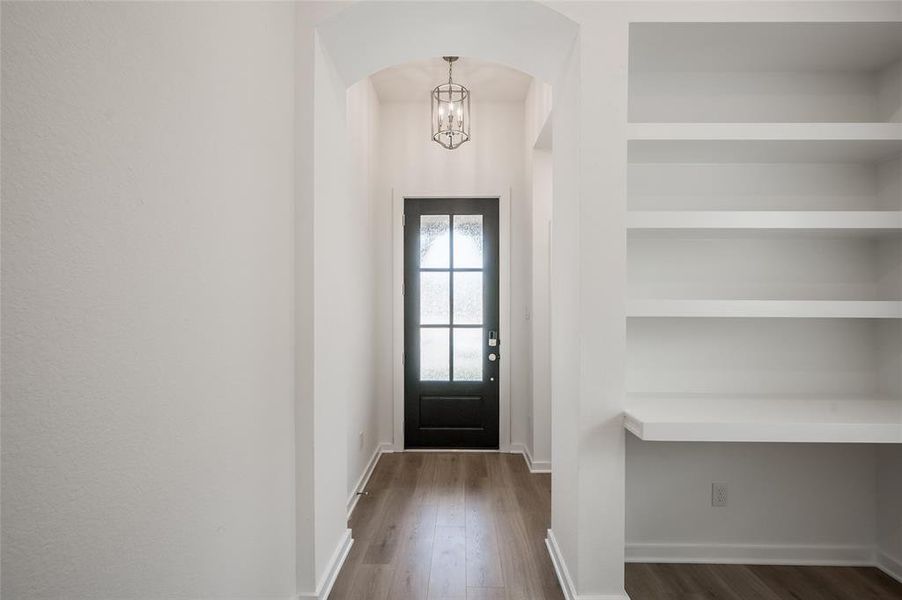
x=451 y=343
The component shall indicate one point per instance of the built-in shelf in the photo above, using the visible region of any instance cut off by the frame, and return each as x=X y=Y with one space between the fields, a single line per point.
x=786 y=132
x=877 y=221
x=764 y=249
x=764 y=419
x=810 y=309
x=764 y=142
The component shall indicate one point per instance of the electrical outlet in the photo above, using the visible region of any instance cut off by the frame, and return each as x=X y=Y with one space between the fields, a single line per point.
x=362 y=439
x=718 y=494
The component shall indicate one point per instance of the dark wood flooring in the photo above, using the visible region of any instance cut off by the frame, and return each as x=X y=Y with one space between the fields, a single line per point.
x=471 y=526
x=748 y=582
x=443 y=526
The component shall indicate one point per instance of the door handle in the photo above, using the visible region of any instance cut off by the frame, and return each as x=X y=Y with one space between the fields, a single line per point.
x=493 y=338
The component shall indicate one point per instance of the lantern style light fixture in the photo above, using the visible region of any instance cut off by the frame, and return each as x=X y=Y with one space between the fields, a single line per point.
x=450 y=112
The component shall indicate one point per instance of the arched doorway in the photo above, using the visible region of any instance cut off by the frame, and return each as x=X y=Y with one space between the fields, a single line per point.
x=356 y=42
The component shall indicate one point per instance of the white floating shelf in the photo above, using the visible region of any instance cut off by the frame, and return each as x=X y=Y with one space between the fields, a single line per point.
x=764 y=419
x=763 y=142
x=786 y=132
x=806 y=309
x=864 y=221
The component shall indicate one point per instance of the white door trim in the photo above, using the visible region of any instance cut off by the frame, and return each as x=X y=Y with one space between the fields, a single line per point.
x=504 y=411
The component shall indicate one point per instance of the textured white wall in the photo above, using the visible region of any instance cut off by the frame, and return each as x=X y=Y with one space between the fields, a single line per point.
x=746 y=266
x=778 y=97
x=889 y=508
x=492 y=162
x=542 y=184
x=365 y=405
x=539 y=179
x=147 y=265
x=339 y=306
x=889 y=94
x=804 y=501
x=565 y=330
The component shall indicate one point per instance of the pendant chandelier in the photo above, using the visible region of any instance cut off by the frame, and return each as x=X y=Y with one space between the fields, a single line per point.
x=450 y=112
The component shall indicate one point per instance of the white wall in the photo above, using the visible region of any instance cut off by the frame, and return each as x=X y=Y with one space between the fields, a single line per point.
x=147 y=303
x=785 y=501
x=889 y=93
x=754 y=186
x=538 y=106
x=814 y=97
x=889 y=509
x=749 y=357
x=491 y=163
x=542 y=186
x=337 y=251
x=537 y=154
x=566 y=519
x=366 y=406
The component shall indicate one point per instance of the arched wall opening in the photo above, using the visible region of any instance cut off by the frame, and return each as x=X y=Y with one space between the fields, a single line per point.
x=332 y=311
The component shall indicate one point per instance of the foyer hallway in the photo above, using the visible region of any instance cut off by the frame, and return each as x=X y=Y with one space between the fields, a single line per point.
x=472 y=526
x=450 y=526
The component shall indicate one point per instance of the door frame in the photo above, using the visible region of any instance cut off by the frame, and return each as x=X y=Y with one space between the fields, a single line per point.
x=504 y=412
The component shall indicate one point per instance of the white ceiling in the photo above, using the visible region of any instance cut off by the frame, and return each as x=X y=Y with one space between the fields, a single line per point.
x=764 y=46
x=486 y=80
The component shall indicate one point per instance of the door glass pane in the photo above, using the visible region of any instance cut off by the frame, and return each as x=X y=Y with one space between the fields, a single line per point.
x=435 y=300
x=434 y=363
x=467 y=241
x=467 y=354
x=467 y=297
x=435 y=241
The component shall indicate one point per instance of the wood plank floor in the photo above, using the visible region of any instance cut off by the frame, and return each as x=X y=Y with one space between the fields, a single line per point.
x=747 y=582
x=450 y=526
x=471 y=526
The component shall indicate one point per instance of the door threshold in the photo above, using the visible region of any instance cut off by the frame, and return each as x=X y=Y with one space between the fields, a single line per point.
x=452 y=450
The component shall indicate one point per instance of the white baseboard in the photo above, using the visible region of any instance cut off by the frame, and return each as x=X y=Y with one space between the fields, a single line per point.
x=324 y=587
x=890 y=565
x=560 y=567
x=831 y=556
x=749 y=554
x=365 y=476
x=534 y=466
x=563 y=575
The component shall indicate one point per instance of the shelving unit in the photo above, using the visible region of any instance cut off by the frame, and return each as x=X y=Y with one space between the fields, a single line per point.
x=797 y=309
x=880 y=137
x=765 y=419
x=764 y=292
x=874 y=221
x=764 y=246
